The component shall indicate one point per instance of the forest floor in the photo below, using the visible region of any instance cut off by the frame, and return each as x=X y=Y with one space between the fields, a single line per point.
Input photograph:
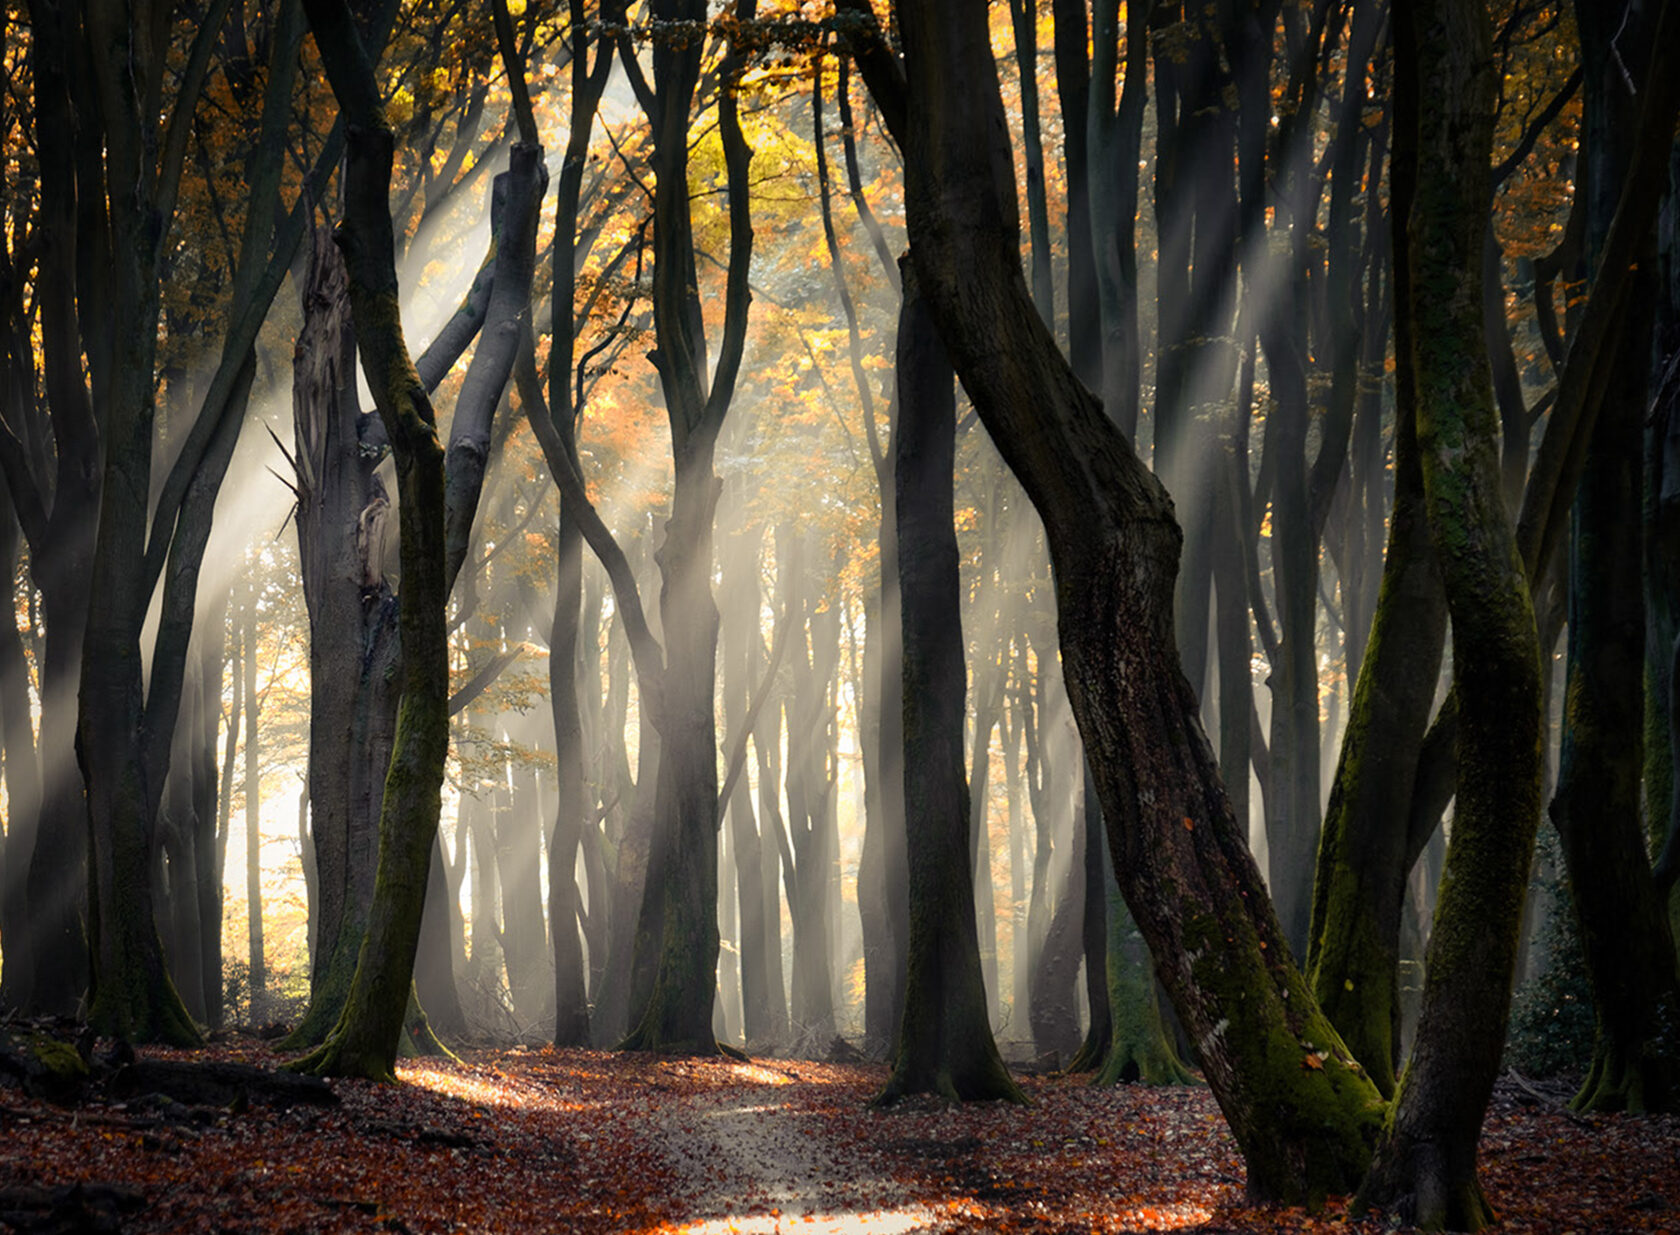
x=569 y=1140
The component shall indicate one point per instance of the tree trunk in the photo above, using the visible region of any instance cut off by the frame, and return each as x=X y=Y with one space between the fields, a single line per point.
x=436 y=954
x=1094 y=934
x=1179 y=856
x=1140 y=1048
x=677 y=1017
x=883 y=876
x=343 y=515
x=23 y=788
x=1115 y=136
x=571 y=1000
x=1365 y=853
x=809 y=789
x=208 y=842
x=1353 y=955
x=524 y=931
x=1624 y=931
x=61 y=541
x=1425 y=1167
x=740 y=636
x=258 y=972
x=945 y=1041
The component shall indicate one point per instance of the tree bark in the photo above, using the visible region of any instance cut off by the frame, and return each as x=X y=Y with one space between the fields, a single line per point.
x=677 y=1015
x=1425 y=1167
x=1179 y=856
x=1597 y=806
x=944 y=1041
x=343 y=514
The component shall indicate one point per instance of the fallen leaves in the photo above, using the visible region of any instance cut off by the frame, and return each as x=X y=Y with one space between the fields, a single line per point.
x=593 y=1142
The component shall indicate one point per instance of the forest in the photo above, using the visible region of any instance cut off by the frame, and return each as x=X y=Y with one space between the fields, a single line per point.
x=694 y=577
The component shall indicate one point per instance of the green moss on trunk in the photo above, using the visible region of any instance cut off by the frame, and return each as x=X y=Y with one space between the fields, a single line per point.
x=1425 y=1166
x=1139 y=1049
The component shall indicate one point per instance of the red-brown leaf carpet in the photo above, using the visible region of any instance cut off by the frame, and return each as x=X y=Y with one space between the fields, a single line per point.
x=570 y=1140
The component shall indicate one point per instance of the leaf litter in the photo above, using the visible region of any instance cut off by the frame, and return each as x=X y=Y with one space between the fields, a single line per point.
x=588 y=1141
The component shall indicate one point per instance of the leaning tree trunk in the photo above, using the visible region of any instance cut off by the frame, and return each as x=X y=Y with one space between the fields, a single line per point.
x=1305 y=1129
x=1425 y=1167
x=945 y=1043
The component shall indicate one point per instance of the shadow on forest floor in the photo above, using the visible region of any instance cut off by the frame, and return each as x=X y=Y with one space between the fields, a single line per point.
x=546 y=1140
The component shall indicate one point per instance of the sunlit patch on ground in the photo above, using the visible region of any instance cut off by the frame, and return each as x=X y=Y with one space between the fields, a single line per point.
x=1164 y=1217
x=875 y=1222
x=757 y=1074
x=482 y=1089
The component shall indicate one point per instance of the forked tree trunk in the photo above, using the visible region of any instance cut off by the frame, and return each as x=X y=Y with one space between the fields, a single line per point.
x=1425 y=1167
x=436 y=512
x=676 y=1016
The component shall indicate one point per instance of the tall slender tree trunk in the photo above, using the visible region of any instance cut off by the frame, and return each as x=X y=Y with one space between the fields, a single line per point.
x=23 y=787
x=1425 y=1166
x=677 y=1015
x=258 y=972
x=1624 y=931
x=944 y=1041
x=208 y=846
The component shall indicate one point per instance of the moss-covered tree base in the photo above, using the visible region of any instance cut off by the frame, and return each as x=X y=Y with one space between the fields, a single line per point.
x=642 y=1038
x=1145 y=1062
x=418 y=1038
x=1643 y=1082
x=1139 y=1049
x=328 y=991
x=139 y=1003
x=356 y=1049
x=344 y=1054
x=677 y=1020
x=1414 y=1183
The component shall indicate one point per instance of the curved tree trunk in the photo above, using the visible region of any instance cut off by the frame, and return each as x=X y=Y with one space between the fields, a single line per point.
x=1179 y=856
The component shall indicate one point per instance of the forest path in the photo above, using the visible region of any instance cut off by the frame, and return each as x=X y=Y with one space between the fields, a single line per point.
x=756 y=1155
